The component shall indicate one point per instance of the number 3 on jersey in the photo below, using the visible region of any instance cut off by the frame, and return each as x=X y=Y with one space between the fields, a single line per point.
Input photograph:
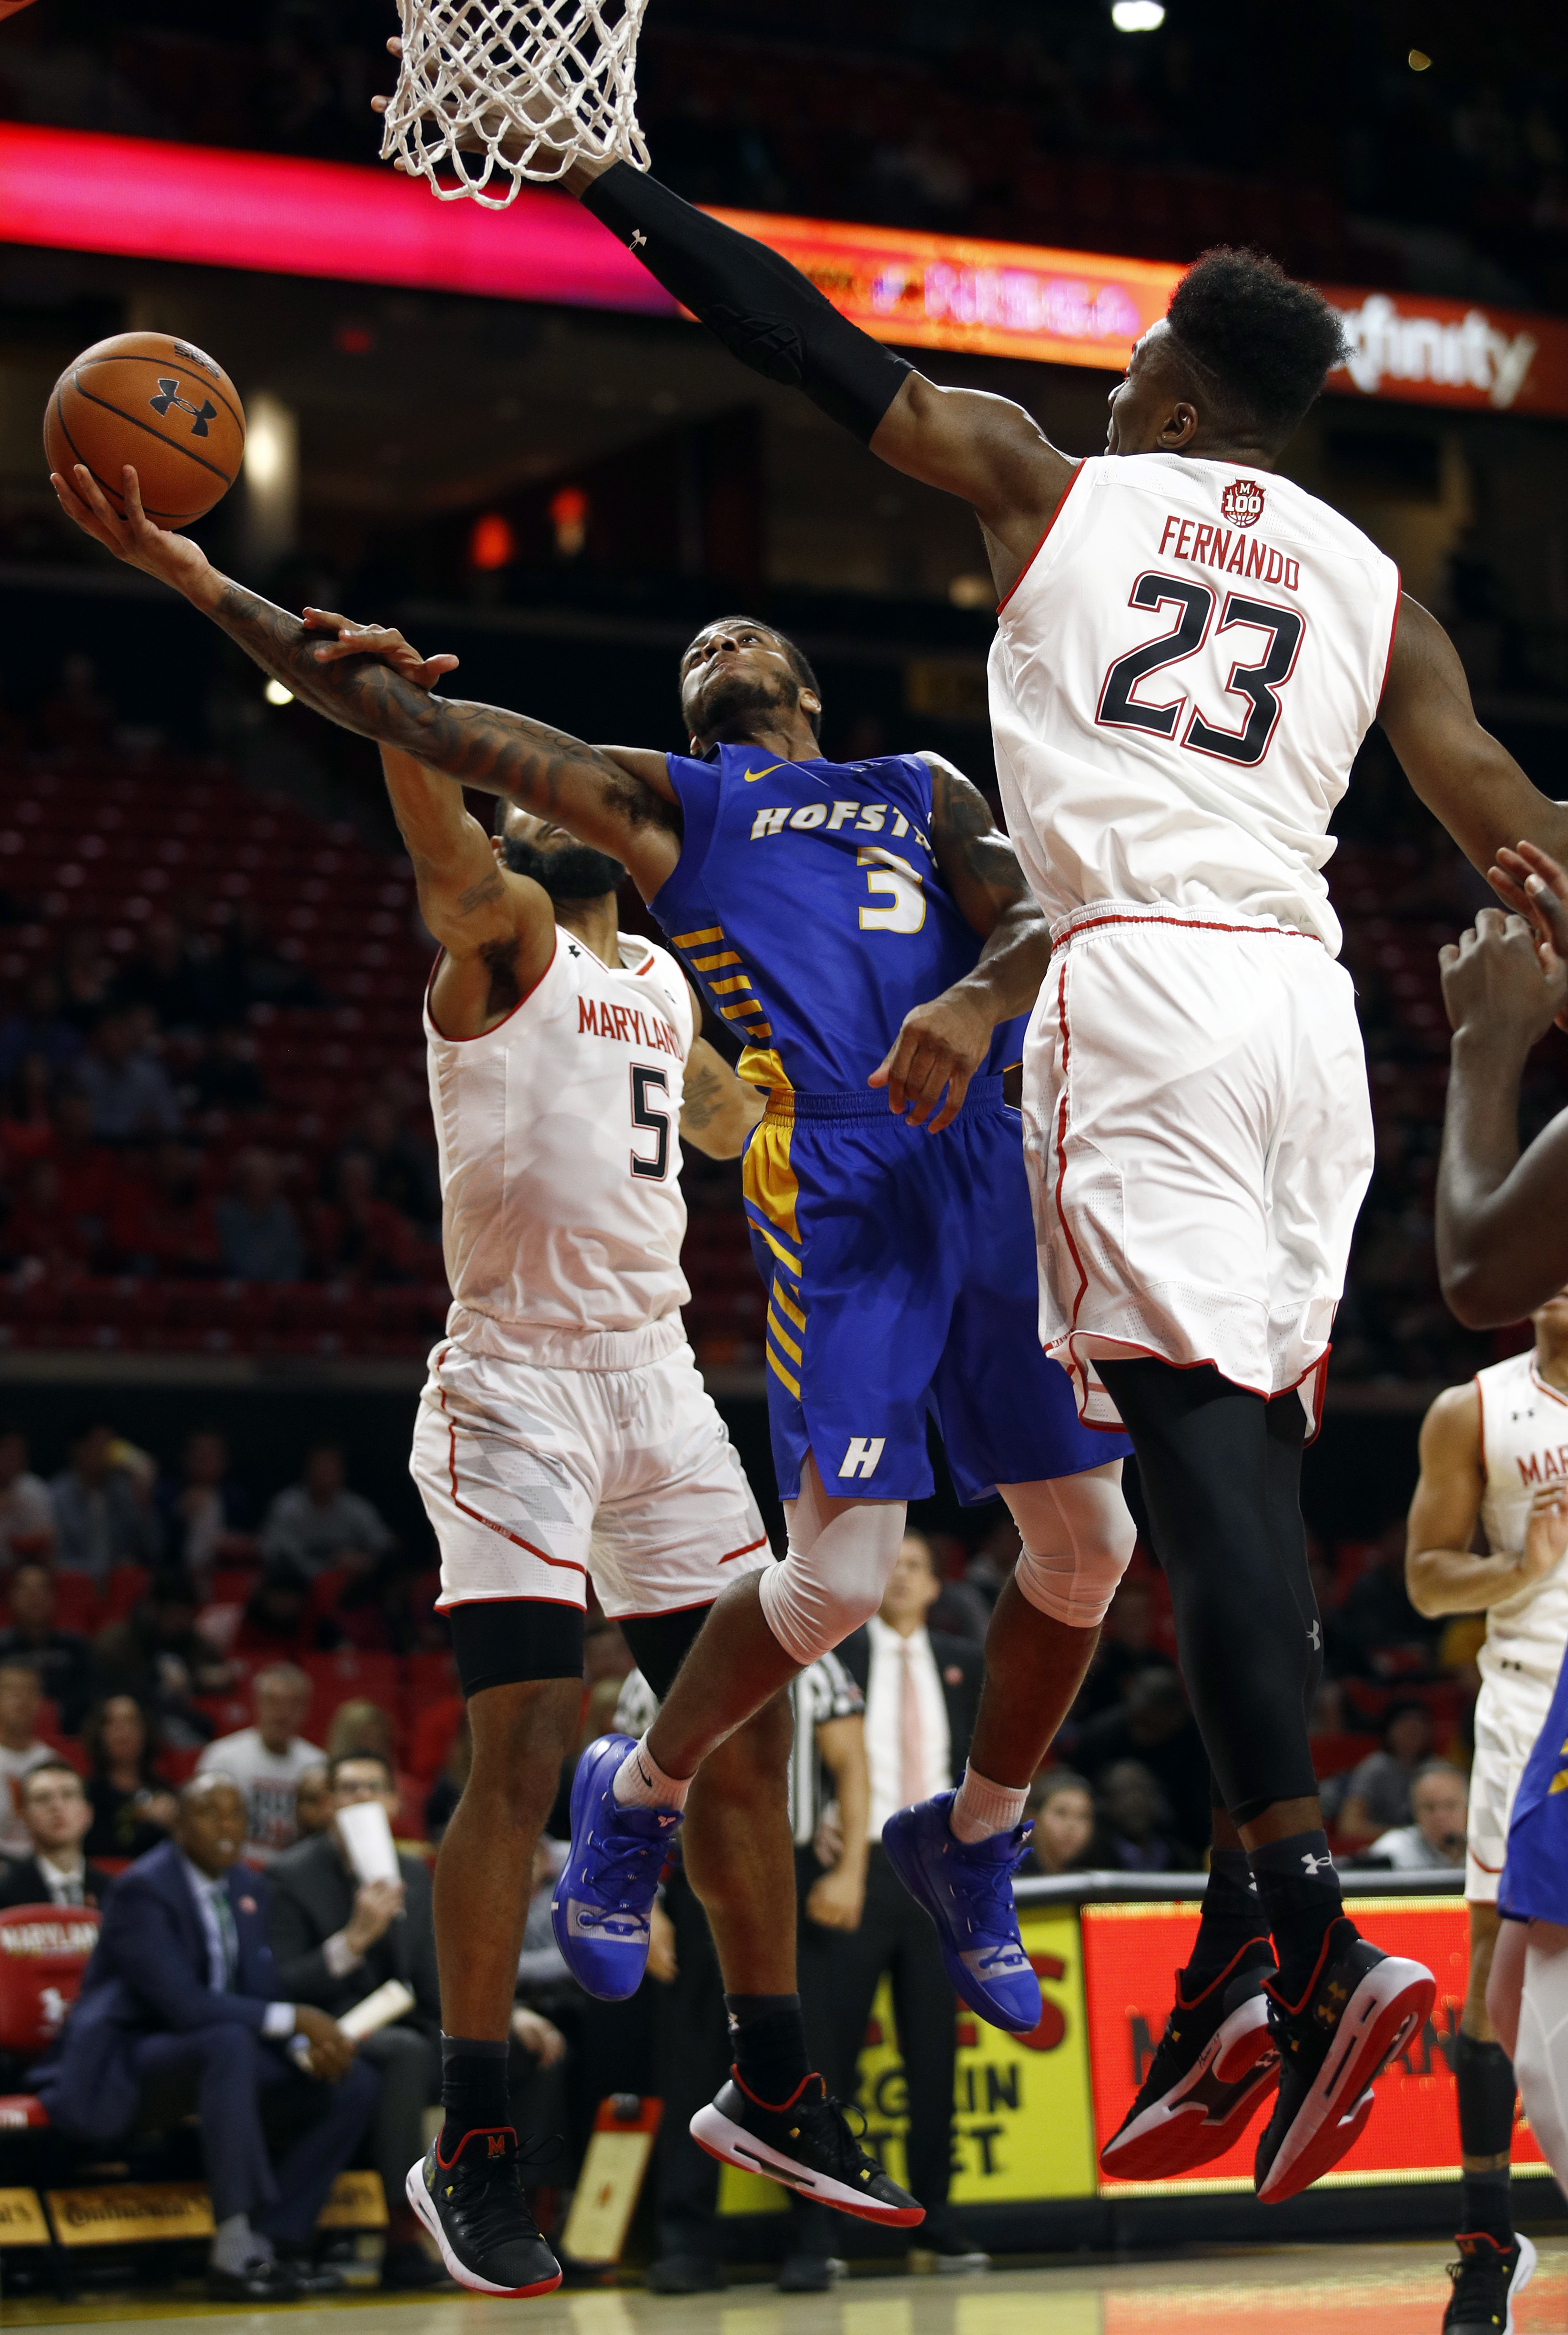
x=645 y=1081
x=1120 y=707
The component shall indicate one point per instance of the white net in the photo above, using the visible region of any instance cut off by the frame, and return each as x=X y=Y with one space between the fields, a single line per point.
x=493 y=92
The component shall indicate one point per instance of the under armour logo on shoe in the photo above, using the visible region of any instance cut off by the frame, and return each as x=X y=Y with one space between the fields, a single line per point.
x=1316 y=1635
x=666 y=1821
x=1316 y=1865
x=638 y=239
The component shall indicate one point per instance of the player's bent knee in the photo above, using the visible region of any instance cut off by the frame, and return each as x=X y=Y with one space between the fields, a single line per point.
x=1541 y=2050
x=829 y=1586
x=1077 y=1536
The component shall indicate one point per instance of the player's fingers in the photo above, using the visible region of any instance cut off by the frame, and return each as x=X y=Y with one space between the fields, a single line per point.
x=1489 y=922
x=957 y=1088
x=1448 y=954
x=130 y=493
x=394 y=47
x=1530 y=855
x=1550 y=910
x=1508 y=888
x=324 y=620
x=924 y=1079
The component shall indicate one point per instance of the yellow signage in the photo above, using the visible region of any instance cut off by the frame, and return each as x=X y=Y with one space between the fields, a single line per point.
x=138 y=2209
x=608 y=2187
x=22 y=2222
x=356 y=2201
x=1021 y=2126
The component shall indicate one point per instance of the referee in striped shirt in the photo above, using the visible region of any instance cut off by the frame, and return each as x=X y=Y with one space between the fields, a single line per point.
x=829 y=1805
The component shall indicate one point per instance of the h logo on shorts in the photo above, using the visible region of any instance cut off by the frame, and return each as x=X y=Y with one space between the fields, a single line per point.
x=863 y=1455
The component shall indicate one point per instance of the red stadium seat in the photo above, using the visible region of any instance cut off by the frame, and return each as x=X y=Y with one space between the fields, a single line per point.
x=77 y=1606
x=349 y=1676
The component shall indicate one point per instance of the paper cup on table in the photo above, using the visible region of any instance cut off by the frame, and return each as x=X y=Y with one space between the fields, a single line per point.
x=367 y=1837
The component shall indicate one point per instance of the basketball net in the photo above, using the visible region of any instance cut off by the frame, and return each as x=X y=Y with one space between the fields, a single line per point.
x=493 y=92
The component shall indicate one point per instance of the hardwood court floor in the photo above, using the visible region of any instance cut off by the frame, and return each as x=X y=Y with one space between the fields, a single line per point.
x=1362 y=2290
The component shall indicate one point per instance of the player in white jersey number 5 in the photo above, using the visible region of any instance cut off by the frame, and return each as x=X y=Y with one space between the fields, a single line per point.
x=1190 y=651
x=1496 y=1451
x=564 y=1433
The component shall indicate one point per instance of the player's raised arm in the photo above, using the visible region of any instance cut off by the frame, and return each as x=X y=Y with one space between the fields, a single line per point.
x=1464 y=776
x=497 y=929
x=1442 y=1573
x=1502 y=1219
x=986 y=449
x=942 y=1041
x=620 y=802
x=717 y=1110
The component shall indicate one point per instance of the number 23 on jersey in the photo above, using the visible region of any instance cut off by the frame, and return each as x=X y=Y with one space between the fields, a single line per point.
x=1254 y=679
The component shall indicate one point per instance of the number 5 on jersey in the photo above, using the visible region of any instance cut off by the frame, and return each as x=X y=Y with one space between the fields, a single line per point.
x=645 y=1081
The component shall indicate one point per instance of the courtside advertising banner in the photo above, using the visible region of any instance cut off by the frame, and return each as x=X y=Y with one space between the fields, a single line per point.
x=1130 y=1954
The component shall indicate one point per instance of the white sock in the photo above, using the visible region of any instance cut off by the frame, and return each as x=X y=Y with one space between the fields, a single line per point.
x=234 y=2244
x=981 y=1809
x=640 y=1783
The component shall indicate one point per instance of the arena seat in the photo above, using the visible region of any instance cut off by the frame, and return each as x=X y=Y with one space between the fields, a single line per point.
x=43 y=1952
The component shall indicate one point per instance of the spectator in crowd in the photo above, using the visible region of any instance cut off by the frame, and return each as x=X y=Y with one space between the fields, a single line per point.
x=1127 y=1647
x=1378 y=1795
x=448 y=1789
x=206 y=1519
x=336 y=1939
x=1378 y=1615
x=227 y=1076
x=1435 y=1838
x=249 y=971
x=89 y=1173
x=921 y=1701
x=56 y=1871
x=1154 y=1725
x=166 y=973
x=311 y=1804
x=21 y=1707
x=104 y=1508
x=26 y=1509
x=85 y=978
x=319 y=1522
x=403 y=1170
x=132 y=1808
x=274 y=1621
x=160 y=1221
x=363 y=1727
x=258 y=1232
x=129 y=1096
x=354 y=1235
x=159 y=1655
x=38 y=1027
x=179 y=2010
x=62 y=1658
x=267 y=1760
x=1139 y=1834
x=41 y=1233
x=1066 y=1835
x=27 y=1114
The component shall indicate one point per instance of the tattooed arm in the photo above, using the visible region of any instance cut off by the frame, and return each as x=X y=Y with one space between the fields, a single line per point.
x=943 y=1042
x=620 y=801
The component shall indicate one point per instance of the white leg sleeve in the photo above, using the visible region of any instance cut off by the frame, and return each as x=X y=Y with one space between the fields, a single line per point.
x=1078 y=1540
x=834 y=1569
x=1541 y=2054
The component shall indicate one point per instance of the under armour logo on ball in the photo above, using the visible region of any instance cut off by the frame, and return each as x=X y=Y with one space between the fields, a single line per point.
x=1316 y=1865
x=200 y=415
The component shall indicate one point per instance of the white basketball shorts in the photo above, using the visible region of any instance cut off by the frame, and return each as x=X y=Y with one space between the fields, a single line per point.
x=535 y=1479
x=1509 y=1715
x=1199 y=1138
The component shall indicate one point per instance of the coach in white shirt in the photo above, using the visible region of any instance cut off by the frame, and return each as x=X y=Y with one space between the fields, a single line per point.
x=920 y=1697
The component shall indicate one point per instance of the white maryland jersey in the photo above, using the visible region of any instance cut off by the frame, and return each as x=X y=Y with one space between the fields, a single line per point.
x=1524 y=1445
x=1179 y=682
x=562 y=1217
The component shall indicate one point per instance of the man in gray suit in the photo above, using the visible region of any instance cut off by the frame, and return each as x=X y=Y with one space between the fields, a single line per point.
x=334 y=1940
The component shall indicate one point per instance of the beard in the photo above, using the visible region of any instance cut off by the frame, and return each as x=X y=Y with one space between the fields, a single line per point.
x=575 y=873
x=732 y=701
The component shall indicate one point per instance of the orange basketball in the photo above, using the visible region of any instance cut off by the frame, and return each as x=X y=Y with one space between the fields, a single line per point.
x=152 y=400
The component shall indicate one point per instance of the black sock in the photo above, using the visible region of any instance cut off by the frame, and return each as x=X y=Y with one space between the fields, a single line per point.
x=769 y=2036
x=473 y=2090
x=1299 y=1891
x=1484 y=2076
x=1232 y=1916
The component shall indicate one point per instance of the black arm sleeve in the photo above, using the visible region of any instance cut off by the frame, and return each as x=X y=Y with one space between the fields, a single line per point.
x=763 y=309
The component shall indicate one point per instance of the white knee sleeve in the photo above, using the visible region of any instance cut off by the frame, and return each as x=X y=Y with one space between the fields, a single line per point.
x=1078 y=1540
x=833 y=1575
x=1541 y=2056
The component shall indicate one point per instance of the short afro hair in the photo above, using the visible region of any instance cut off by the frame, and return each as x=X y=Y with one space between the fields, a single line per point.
x=1265 y=340
x=799 y=663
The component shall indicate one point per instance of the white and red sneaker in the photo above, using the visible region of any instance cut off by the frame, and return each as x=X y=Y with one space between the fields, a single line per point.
x=1217 y=2061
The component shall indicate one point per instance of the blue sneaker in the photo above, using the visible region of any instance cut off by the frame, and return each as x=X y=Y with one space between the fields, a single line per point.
x=968 y=1893
x=600 y=1910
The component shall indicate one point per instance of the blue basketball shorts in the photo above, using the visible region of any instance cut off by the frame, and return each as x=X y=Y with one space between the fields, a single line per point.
x=901 y=1274
x=1535 y=1884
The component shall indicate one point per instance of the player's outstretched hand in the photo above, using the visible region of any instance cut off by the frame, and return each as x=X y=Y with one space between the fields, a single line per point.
x=346 y=638
x=1536 y=888
x=1500 y=983
x=1546 y=1531
x=173 y=558
x=939 y=1045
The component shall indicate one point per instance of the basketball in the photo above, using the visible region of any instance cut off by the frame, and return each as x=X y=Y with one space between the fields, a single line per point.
x=152 y=400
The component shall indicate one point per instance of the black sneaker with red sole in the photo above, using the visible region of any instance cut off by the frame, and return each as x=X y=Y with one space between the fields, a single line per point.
x=1359 y=2009
x=805 y=2145
x=475 y=2209
x=1489 y=2279
x=1215 y=2064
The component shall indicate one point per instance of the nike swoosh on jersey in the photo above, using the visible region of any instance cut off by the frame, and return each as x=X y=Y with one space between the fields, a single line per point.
x=767 y=773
